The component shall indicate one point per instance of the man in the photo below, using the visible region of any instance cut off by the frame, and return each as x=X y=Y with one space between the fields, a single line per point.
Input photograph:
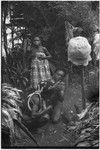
x=53 y=93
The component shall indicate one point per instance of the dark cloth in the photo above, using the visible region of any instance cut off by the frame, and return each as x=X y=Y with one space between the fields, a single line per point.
x=54 y=97
x=53 y=94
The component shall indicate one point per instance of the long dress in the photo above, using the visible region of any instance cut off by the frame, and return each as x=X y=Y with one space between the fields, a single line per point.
x=40 y=70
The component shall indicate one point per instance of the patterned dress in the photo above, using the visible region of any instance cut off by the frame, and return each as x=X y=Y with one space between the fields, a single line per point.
x=40 y=70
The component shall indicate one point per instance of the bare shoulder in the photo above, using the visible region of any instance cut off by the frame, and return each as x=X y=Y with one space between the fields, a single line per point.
x=44 y=48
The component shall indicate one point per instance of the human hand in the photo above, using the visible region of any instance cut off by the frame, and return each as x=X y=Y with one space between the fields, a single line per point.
x=41 y=57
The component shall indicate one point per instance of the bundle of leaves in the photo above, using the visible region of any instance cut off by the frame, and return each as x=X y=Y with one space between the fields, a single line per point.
x=12 y=116
x=11 y=101
x=85 y=131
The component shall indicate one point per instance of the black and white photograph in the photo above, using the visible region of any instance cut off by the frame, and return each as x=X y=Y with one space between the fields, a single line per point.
x=50 y=53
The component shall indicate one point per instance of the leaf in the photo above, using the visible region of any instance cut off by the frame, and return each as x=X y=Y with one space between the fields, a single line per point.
x=84 y=112
x=25 y=79
x=8 y=118
x=15 y=113
x=8 y=102
x=84 y=144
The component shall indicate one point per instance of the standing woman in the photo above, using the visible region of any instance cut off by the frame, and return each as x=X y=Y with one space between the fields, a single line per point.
x=40 y=70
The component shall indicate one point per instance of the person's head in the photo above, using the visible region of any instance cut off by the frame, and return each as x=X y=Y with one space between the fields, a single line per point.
x=59 y=75
x=36 y=41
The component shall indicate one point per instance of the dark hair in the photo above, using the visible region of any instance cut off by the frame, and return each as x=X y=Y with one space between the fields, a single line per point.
x=58 y=70
x=37 y=38
x=33 y=39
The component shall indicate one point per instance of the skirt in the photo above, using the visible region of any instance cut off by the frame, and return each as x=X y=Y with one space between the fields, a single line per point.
x=40 y=71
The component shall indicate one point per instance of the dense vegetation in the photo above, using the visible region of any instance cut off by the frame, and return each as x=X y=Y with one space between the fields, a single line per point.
x=55 y=22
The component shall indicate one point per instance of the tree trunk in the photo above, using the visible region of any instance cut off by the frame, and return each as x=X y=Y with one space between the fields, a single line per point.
x=12 y=33
x=12 y=29
x=4 y=32
x=83 y=87
x=68 y=36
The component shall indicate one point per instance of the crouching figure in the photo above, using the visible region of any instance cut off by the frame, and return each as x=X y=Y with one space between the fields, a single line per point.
x=53 y=95
x=48 y=100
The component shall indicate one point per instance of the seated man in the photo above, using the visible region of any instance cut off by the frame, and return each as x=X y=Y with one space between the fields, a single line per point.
x=53 y=93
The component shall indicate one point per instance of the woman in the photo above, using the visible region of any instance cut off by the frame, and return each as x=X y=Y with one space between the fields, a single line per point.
x=40 y=70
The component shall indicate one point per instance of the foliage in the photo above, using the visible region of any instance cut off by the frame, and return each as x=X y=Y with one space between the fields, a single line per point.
x=10 y=108
x=12 y=114
x=47 y=20
x=85 y=131
x=15 y=70
x=85 y=17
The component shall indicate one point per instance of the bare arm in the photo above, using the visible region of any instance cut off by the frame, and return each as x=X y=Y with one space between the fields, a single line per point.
x=48 y=55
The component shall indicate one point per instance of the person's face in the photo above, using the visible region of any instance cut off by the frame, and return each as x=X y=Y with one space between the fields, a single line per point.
x=58 y=76
x=37 y=41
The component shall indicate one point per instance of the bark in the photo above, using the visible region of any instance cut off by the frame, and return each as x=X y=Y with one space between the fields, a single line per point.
x=68 y=36
x=83 y=87
x=12 y=33
x=4 y=32
x=12 y=29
